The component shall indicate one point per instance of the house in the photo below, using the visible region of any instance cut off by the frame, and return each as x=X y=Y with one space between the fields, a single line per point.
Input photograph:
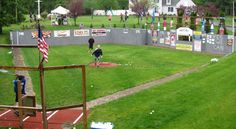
x=169 y=6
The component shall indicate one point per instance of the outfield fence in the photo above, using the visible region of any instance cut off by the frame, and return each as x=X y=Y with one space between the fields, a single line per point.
x=210 y=43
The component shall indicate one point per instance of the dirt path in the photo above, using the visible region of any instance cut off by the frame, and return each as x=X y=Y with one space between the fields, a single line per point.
x=18 y=60
x=139 y=88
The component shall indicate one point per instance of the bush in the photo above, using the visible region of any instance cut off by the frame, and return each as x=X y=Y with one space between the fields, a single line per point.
x=91 y=25
x=124 y=26
x=143 y=26
x=103 y=26
x=114 y=25
x=134 y=26
x=44 y=14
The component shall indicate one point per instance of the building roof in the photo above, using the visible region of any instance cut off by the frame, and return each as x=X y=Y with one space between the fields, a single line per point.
x=173 y=2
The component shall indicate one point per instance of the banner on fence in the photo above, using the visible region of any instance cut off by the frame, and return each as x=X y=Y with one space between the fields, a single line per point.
x=187 y=47
x=167 y=39
x=99 y=32
x=82 y=32
x=46 y=34
x=197 y=41
x=62 y=33
x=230 y=40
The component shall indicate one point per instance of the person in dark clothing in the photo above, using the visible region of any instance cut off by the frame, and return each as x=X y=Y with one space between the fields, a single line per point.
x=23 y=81
x=91 y=42
x=97 y=54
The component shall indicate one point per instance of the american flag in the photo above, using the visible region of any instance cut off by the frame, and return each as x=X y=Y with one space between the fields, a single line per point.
x=42 y=44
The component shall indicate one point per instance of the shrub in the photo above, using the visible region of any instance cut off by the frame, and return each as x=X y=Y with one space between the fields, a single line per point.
x=44 y=14
x=134 y=26
x=114 y=25
x=103 y=26
x=124 y=26
x=91 y=25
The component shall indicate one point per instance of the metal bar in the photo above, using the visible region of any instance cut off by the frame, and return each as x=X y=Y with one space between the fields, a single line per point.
x=43 y=100
x=19 y=46
x=63 y=67
x=84 y=97
x=19 y=107
x=65 y=107
x=19 y=68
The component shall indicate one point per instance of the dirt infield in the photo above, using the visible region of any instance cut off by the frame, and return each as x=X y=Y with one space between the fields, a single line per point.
x=104 y=65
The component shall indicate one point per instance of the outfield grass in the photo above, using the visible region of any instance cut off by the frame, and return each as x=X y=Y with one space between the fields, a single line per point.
x=202 y=100
x=139 y=64
x=6 y=84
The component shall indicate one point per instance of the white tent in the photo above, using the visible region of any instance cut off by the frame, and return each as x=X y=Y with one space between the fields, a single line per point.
x=186 y=3
x=60 y=10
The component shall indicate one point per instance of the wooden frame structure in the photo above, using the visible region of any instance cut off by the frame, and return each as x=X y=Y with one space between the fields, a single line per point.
x=41 y=70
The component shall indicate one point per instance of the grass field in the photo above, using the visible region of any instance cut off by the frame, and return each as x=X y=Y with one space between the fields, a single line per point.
x=202 y=100
x=139 y=64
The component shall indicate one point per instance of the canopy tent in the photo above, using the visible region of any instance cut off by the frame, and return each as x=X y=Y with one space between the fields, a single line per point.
x=60 y=10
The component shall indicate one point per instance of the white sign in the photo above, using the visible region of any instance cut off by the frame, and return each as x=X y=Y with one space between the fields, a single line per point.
x=99 y=32
x=62 y=33
x=82 y=32
x=197 y=45
x=184 y=31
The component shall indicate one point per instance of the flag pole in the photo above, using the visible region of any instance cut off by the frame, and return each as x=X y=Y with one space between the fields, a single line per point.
x=42 y=89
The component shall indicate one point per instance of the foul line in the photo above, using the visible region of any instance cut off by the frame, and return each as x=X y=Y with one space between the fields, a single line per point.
x=5 y=113
x=78 y=118
x=52 y=114
x=26 y=118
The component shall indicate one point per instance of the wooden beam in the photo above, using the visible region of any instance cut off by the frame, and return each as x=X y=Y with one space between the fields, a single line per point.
x=19 y=46
x=84 y=97
x=63 y=67
x=65 y=107
x=19 y=107
x=19 y=68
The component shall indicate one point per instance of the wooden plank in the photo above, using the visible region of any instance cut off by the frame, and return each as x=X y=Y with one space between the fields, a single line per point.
x=19 y=46
x=65 y=107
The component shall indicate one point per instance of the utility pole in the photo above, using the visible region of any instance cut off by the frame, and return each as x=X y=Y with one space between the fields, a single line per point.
x=38 y=8
x=233 y=29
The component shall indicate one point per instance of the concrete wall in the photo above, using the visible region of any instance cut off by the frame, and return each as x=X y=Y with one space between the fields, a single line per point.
x=218 y=44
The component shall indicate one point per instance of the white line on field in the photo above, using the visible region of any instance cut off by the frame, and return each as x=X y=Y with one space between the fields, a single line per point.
x=4 y=113
x=52 y=114
x=78 y=118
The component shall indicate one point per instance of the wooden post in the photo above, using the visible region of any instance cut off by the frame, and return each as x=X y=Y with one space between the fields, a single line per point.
x=19 y=94
x=43 y=101
x=84 y=97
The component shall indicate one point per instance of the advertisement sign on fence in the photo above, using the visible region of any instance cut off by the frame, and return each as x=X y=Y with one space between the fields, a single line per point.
x=62 y=33
x=82 y=32
x=197 y=41
x=99 y=32
x=187 y=47
x=46 y=34
x=230 y=40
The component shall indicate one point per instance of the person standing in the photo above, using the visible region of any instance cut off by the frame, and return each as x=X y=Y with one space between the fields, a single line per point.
x=97 y=54
x=91 y=42
x=20 y=78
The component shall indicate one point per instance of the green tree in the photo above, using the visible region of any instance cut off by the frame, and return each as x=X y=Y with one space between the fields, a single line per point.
x=90 y=6
x=179 y=18
x=193 y=20
x=11 y=11
x=124 y=4
x=108 y=4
